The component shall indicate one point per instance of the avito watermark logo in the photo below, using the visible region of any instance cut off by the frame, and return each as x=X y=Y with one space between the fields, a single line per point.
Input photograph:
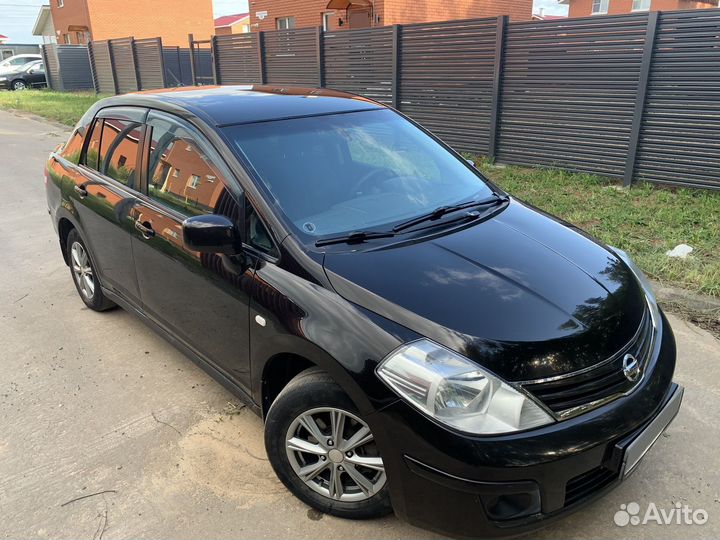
x=679 y=514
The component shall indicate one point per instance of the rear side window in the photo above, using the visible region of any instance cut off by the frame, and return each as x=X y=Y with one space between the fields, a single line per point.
x=93 y=147
x=113 y=149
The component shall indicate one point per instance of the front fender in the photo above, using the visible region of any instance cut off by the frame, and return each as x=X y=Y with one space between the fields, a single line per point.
x=306 y=319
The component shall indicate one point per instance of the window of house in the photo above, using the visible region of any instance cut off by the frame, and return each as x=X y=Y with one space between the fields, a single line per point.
x=60 y=3
x=326 y=21
x=641 y=5
x=174 y=149
x=112 y=149
x=600 y=7
x=285 y=23
x=66 y=38
x=193 y=181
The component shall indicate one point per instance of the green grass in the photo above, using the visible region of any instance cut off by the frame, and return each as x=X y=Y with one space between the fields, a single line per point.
x=63 y=107
x=645 y=221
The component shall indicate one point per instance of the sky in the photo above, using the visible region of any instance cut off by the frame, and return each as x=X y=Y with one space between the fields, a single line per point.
x=18 y=16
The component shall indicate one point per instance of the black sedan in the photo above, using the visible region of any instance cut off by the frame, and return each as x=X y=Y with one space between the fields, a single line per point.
x=415 y=339
x=30 y=75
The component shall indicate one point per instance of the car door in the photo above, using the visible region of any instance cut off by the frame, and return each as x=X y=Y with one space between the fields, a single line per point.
x=36 y=75
x=103 y=194
x=201 y=298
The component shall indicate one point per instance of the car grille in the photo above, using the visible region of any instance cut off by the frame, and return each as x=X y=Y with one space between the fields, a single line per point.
x=574 y=393
x=588 y=483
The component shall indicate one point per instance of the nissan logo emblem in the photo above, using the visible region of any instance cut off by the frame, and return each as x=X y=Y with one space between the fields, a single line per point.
x=631 y=368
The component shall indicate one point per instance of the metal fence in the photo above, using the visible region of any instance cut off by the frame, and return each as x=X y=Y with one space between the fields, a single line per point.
x=635 y=97
x=67 y=67
x=127 y=65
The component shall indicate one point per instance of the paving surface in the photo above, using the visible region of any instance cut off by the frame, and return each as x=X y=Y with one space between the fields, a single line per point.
x=97 y=402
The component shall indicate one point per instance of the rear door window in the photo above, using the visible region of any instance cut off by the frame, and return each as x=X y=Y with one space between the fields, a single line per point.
x=113 y=149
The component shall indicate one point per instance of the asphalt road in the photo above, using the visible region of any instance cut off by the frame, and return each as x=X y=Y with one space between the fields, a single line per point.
x=97 y=402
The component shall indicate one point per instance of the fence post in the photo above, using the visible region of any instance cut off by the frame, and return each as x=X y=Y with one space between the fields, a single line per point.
x=93 y=73
x=191 y=48
x=213 y=60
x=396 y=67
x=638 y=114
x=133 y=49
x=319 y=45
x=48 y=75
x=494 y=127
x=112 y=66
x=161 y=51
x=261 y=57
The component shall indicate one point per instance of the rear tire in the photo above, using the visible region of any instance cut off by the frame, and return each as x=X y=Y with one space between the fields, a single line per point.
x=342 y=472
x=84 y=274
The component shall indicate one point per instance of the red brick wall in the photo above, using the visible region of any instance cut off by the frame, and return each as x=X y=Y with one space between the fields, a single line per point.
x=308 y=12
x=73 y=12
x=583 y=8
x=172 y=20
x=412 y=11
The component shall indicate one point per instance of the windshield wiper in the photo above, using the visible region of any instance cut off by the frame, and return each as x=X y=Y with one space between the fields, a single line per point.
x=357 y=237
x=445 y=210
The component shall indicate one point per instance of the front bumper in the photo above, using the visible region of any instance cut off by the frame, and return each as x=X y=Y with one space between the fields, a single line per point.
x=504 y=485
x=5 y=85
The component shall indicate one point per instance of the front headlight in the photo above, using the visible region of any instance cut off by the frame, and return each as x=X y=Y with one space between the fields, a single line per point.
x=457 y=392
x=644 y=283
x=3 y=79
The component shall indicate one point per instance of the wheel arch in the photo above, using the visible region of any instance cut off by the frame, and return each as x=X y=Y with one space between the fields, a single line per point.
x=278 y=371
x=64 y=228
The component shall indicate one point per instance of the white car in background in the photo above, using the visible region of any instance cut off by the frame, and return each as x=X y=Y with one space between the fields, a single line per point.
x=14 y=62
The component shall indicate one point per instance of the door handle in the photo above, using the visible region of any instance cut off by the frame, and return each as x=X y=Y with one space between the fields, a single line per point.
x=146 y=230
x=81 y=191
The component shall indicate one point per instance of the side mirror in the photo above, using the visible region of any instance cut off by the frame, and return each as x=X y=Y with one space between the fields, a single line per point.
x=211 y=233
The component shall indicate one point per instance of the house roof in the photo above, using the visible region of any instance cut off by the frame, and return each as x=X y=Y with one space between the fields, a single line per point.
x=3 y=37
x=229 y=20
x=41 y=20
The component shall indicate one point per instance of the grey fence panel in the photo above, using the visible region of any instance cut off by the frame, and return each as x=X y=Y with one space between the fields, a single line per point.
x=680 y=138
x=75 y=73
x=149 y=60
x=102 y=67
x=291 y=57
x=568 y=92
x=446 y=79
x=124 y=62
x=177 y=66
x=52 y=67
x=360 y=61
x=237 y=59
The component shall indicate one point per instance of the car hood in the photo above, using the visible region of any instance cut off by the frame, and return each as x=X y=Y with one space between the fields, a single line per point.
x=522 y=294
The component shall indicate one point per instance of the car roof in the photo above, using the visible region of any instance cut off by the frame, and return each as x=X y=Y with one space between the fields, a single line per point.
x=230 y=105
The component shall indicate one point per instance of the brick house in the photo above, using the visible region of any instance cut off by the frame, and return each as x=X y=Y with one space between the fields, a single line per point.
x=232 y=24
x=79 y=21
x=583 y=8
x=341 y=14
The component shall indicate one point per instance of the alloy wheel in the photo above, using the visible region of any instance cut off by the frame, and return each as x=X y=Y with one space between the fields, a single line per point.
x=19 y=85
x=82 y=270
x=334 y=453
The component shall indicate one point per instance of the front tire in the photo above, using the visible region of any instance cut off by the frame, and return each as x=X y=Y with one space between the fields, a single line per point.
x=323 y=451
x=19 y=85
x=84 y=274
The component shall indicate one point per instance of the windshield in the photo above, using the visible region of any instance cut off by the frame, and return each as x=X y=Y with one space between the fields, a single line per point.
x=347 y=172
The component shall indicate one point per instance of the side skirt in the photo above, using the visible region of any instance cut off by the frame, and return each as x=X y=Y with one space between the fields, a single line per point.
x=206 y=366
